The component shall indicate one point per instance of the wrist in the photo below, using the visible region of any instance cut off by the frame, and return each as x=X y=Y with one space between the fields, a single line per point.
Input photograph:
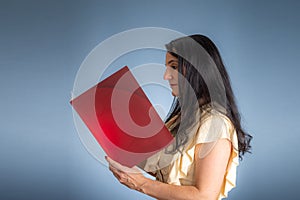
x=143 y=185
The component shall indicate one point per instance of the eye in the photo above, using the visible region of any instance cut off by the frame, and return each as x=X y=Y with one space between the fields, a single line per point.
x=174 y=67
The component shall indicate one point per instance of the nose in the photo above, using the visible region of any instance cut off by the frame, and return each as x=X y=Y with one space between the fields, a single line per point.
x=167 y=75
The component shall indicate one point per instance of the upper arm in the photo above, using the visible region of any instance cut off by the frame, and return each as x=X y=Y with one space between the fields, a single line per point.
x=210 y=170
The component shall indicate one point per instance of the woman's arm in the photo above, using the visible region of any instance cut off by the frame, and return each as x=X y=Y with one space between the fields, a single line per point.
x=209 y=175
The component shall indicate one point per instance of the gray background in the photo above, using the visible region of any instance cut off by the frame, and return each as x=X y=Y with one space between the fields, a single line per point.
x=42 y=44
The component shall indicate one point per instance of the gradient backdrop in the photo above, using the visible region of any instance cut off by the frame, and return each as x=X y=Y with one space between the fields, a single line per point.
x=43 y=43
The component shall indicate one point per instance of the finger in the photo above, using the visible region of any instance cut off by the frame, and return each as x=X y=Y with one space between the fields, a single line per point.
x=114 y=170
x=122 y=176
x=117 y=176
x=116 y=173
x=116 y=164
x=122 y=168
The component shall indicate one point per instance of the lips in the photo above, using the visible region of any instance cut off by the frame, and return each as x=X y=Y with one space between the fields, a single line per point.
x=172 y=85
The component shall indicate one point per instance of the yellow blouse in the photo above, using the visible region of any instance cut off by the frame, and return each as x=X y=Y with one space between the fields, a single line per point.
x=181 y=171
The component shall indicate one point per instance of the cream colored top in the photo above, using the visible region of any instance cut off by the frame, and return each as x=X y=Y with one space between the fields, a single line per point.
x=181 y=171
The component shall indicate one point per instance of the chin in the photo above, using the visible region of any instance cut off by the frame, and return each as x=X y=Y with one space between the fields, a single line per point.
x=174 y=94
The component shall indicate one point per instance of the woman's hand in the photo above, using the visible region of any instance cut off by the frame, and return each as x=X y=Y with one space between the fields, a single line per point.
x=130 y=177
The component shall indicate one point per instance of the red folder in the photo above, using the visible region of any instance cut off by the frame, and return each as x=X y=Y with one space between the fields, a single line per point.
x=122 y=119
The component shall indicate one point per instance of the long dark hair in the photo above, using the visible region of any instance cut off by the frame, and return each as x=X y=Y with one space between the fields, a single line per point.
x=201 y=66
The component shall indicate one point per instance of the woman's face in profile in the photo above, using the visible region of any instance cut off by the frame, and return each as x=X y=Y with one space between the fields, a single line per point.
x=171 y=73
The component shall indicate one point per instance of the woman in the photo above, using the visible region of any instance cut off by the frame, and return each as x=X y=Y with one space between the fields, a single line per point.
x=205 y=122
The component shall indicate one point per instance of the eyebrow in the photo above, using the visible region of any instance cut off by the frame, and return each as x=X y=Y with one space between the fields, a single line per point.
x=172 y=61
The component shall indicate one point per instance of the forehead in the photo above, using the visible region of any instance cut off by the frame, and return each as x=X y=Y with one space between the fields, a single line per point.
x=170 y=57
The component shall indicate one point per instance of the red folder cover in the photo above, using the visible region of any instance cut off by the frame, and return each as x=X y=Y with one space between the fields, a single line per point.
x=122 y=119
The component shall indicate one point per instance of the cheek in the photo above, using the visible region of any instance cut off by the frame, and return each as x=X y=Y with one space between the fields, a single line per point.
x=176 y=74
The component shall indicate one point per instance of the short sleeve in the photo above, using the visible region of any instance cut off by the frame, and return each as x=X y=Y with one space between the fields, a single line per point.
x=213 y=128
